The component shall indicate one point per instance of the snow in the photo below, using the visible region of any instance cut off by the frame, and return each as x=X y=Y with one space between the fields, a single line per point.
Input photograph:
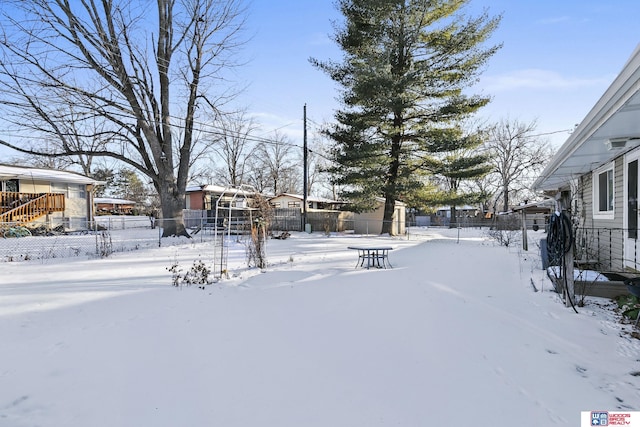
x=453 y=335
x=29 y=173
x=578 y=274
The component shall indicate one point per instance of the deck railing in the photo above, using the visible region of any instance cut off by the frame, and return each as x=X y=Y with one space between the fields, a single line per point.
x=610 y=249
x=26 y=207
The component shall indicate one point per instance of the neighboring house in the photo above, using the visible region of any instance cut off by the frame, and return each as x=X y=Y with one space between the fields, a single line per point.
x=293 y=201
x=371 y=222
x=205 y=204
x=594 y=176
x=205 y=197
x=34 y=196
x=465 y=213
x=113 y=206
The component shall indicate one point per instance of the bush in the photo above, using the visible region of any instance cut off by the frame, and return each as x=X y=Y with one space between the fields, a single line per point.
x=199 y=274
x=506 y=230
x=629 y=306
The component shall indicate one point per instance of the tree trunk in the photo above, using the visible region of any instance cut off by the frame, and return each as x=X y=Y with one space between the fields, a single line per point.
x=172 y=205
x=390 y=192
x=387 y=219
x=453 y=222
x=505 y=199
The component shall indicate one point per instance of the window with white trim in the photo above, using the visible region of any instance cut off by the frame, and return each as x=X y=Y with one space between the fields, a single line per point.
x=603 y=192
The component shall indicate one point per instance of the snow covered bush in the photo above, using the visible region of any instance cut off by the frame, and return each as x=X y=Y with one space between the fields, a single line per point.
x=199 y=274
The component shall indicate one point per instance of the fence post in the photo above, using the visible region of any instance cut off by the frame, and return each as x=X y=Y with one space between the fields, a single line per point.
x=525 y=239
x=570 y=294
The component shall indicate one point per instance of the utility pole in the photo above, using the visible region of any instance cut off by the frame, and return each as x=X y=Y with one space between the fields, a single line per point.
x=304 y=168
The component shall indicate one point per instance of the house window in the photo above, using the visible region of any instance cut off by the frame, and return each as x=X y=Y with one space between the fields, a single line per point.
x=77 y=191
x=293 y=204
x=10 y=186
x=603 y=192
x=71 y=191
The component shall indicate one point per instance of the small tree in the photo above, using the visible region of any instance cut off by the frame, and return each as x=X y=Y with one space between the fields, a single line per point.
x=516 y=155
x=256 y=248
x=462 y=163
x=274 y=167
x=506 y=230
x=233 y=148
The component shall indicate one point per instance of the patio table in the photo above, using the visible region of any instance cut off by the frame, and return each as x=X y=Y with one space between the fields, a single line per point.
x=374 y=256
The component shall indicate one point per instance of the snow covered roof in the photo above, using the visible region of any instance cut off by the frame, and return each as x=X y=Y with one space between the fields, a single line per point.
x=29 y=173
x=218 y=189
x=113 y=201
x=460 y=208
x=309 y=198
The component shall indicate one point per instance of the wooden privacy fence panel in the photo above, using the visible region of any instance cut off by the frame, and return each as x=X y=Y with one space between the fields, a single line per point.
x=330 y=221
x=287 y=219
x=283 y=219
x=290 y=219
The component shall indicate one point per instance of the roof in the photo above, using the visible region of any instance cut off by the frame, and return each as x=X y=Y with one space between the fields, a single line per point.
x=463 y=208
x=541 y=206
x=113 y=201
x=397 y=203
x=29 y=173
x=610 y=129
x=309 y=198
x=219 y=189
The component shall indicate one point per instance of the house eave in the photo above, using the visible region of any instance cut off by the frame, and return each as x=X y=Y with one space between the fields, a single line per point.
x=613 y=118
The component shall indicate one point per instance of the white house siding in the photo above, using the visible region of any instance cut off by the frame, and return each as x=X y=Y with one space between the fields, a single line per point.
x=29 y=186
x=602 y=239
x=76 y=203
x=286 y=202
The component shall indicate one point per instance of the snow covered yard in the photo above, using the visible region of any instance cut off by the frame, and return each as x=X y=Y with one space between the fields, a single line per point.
x=453 y=335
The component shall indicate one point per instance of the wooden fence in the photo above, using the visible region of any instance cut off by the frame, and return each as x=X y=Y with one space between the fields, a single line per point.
x=283 y=219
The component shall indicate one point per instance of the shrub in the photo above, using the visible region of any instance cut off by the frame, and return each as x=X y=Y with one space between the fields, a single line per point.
x=506 y=230
x=199 y=274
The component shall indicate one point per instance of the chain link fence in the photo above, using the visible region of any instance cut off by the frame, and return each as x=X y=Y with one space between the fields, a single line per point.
x=106 y=235
x=110 y=234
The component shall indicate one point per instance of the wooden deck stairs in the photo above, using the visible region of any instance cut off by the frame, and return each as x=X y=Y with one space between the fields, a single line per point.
x=23 y=208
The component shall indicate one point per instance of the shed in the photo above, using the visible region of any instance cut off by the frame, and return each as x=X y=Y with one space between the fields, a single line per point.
x=371 y=222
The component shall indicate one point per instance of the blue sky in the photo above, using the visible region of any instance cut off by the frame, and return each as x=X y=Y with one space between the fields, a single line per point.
x=558 y=58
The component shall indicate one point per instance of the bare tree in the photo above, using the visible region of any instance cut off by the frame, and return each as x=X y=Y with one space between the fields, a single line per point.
x=145 y=74
x=233 y=147
x=517 y=156
x=318 y=163
x=275 y=167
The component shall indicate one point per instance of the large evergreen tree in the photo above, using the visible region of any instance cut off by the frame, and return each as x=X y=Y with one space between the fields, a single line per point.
x=404 y=69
